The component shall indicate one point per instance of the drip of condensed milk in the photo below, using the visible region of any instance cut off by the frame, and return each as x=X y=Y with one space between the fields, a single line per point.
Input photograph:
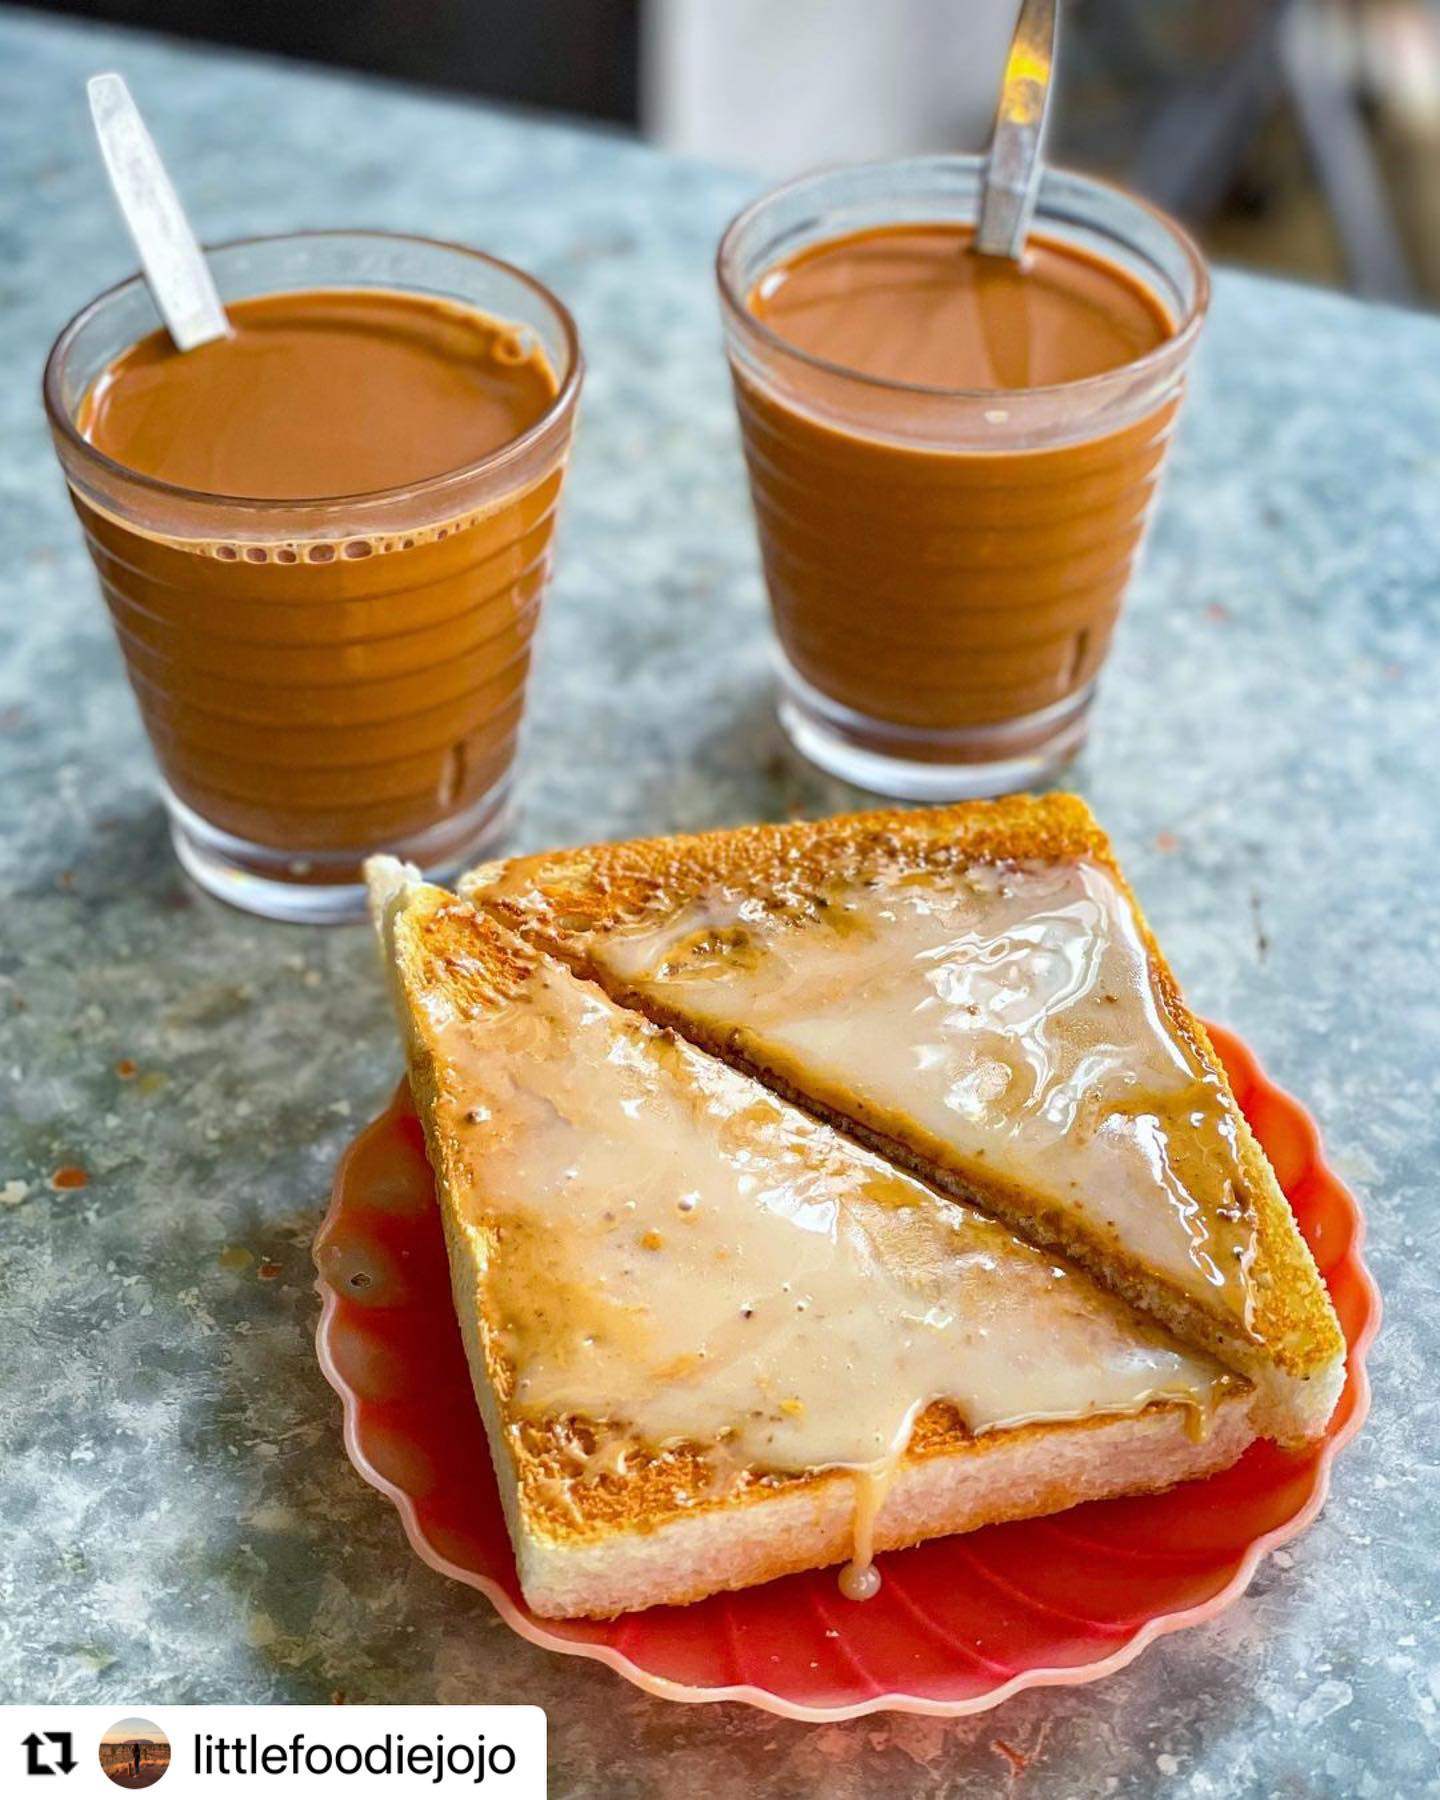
x=676 y=1257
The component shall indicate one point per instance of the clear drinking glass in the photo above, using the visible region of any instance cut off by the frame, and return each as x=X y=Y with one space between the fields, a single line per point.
x=963 y=660
x=322 y=679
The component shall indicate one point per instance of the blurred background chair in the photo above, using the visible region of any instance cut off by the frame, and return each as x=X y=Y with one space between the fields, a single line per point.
x=1299 y=136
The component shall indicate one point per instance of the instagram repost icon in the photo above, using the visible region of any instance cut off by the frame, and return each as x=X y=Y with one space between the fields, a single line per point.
x=134 y=1753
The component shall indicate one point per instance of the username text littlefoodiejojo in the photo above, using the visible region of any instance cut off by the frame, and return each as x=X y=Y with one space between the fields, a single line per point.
x=439 y=1759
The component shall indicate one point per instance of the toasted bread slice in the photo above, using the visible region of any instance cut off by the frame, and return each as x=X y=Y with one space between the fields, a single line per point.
x=974 y=991
x=714 y=1341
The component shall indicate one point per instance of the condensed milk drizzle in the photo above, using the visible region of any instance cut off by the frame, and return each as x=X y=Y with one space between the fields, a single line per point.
x=681 y=1261
x=1008 y=1012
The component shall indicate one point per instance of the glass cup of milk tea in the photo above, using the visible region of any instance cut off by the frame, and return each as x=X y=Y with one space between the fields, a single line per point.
x=952 y=458
x=324 y=543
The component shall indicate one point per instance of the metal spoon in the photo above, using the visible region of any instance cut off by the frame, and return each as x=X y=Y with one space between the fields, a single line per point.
x=175 y=268
x=1012 y=172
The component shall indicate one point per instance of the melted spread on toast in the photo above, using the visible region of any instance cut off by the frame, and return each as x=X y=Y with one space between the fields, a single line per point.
x=674 y=1256
x=1003 y=1019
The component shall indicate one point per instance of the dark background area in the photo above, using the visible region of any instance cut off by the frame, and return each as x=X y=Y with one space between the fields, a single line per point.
x=580 y=56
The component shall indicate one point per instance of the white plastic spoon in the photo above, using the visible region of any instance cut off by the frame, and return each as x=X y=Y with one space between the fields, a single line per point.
x=175 y=268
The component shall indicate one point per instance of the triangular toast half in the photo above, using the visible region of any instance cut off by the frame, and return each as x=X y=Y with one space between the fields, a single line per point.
x=712 y=1339
x=974 y=991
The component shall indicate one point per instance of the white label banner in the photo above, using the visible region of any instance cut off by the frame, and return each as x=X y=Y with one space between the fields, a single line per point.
x=494 y=1752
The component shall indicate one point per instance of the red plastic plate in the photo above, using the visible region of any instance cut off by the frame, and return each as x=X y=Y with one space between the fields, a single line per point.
x=960 y=1623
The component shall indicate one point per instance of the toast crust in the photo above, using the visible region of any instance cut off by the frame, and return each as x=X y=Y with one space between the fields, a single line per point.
x=809 y=1524
x=568 y=901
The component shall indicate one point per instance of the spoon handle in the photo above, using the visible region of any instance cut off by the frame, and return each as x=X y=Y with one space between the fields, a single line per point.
x=175 y=267
x=1012 y=173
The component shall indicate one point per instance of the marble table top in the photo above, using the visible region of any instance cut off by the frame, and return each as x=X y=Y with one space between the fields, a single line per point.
x=181 y=1521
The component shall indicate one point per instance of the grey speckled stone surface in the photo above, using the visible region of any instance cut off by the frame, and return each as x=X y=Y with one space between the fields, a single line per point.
x=180 y=1520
